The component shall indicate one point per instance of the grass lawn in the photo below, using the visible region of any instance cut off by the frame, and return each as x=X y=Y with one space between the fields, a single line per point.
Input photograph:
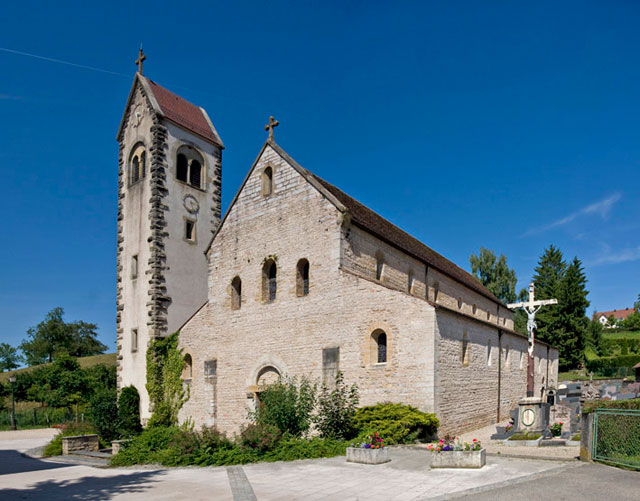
x=578 y=375
x=621 y=335
x=105 y=359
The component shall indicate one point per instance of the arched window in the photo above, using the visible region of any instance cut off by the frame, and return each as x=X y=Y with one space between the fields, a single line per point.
x=302 y=278
x=187 y=371
x=182 y=168
x=379 y=265
x=379 y=346
x=236 y=293
x=194 y=173
x=189 y=166
x=267 y=182
x=269 y=281
x=137 y=164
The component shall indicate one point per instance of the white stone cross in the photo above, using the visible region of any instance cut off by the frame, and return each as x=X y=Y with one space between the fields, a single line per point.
x=531 y=307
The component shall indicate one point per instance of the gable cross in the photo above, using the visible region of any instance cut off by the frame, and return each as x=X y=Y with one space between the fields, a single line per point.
x=140 y=60
x=531 y=307
x=270 y=126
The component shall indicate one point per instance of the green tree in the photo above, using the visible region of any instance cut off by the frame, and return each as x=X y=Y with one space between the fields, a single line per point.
x=129 y=412
x=494 y=274
x=636 y=305
x=287 y=404
x=570 y=329
x=9 y=357
x=594 y=336
x=60 y=384
x=547 y=278
x=54 y=336
x=336 y=409
x=632 y=322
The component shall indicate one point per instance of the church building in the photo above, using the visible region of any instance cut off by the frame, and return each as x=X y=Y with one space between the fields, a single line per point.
x=296 y=279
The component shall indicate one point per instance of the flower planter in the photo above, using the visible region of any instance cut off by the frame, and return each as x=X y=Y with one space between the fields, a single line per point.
x=367 y=456
x=457 y=459
x=522 y=443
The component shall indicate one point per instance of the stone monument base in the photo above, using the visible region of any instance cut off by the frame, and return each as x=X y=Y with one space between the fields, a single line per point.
x=533 y=415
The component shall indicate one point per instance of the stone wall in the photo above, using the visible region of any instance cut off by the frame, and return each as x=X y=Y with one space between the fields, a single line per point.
x=80 y=443
x=289 y=334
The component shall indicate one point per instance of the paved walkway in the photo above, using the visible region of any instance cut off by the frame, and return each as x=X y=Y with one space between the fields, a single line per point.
x=404 y=478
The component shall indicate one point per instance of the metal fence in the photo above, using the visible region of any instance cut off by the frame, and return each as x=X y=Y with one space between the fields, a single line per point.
x=616 y=436
x=36 y=417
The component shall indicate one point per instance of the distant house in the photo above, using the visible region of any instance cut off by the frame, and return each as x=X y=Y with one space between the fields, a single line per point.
x=619 y=315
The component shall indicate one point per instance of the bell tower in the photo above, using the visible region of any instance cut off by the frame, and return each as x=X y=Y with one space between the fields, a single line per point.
x=169 y=202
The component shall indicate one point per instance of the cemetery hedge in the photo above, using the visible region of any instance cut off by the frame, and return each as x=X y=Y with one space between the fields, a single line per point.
x=633 y=403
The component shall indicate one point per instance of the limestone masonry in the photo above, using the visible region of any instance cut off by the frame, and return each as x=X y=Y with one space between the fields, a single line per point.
x=298 y=278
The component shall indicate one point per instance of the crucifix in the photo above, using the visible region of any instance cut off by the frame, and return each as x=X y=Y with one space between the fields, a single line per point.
x=531 y=307
x=272 y=123
x=140 y=60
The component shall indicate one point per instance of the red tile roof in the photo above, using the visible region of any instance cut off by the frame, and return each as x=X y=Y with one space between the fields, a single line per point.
x=617 y=314
x=183 y=113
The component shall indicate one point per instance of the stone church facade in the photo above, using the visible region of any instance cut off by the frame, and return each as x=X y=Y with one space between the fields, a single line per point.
x=301 y=279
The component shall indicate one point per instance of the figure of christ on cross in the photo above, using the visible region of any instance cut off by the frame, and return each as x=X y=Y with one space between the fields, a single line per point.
x=531 y=307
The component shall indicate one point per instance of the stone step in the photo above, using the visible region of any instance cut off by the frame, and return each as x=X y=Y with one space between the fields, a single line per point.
x=552 y=443
x=92 y=454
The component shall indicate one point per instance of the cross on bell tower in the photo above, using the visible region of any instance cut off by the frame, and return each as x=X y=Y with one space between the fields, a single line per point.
x=270 y=126
x=140 y=60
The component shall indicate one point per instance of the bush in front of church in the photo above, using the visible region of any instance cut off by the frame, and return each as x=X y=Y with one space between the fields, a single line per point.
x=129 y=412
x=287 y=404
x=398 y=423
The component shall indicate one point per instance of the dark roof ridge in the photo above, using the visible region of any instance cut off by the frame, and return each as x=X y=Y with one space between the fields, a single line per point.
x=384 y=229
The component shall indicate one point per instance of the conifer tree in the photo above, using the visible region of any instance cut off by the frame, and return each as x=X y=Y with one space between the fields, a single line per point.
x=547 y=278
x=571 y=329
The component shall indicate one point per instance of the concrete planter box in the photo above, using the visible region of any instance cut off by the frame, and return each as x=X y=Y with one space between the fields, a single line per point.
x=457 y=459
x=367 y=456
x=573 y=443
x=80 y=443
x=116 y=445
x=523 y=443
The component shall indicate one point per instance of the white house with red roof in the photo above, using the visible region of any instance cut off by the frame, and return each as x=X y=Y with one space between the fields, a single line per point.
x=619 y=315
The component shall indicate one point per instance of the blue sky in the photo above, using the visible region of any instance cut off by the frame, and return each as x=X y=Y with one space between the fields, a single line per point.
x=468 y=124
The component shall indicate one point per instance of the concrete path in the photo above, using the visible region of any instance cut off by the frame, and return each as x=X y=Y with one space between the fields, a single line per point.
x=404 y=478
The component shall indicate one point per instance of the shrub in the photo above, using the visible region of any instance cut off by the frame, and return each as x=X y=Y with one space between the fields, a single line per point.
x=103 y=411
x=70 y=429
x=608 y=366
x=287 y=405
x=336 y=409
x=146 y=447
x=632 y=403
x=129 y=412
x=262 y=437
x=398 y=423
x=295 y=448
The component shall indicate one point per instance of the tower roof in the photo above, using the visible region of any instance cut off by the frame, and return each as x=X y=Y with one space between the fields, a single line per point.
x=177 y=110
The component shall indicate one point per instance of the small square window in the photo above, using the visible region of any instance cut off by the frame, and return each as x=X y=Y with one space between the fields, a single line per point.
x=134 y=266
x=134 y=340
x=190 y=230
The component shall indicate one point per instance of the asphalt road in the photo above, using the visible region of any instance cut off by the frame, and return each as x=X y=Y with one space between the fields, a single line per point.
x=586 y=481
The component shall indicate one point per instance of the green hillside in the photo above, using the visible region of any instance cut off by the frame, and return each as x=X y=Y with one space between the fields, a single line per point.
x=104 y=359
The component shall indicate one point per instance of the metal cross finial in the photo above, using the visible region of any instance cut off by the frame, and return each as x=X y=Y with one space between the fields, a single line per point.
x=272 y=123
x=140 y=60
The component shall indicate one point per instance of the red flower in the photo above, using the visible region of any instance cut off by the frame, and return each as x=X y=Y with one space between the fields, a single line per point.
x=475 y=439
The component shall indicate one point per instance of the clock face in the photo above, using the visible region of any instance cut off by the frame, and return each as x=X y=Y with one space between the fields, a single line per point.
x=528 y=417
x=191 y=204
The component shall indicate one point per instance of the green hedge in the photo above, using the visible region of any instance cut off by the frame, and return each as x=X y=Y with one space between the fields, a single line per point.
x=397 y=423
x=609 y=366
x=173 y=446
x=632 y=403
